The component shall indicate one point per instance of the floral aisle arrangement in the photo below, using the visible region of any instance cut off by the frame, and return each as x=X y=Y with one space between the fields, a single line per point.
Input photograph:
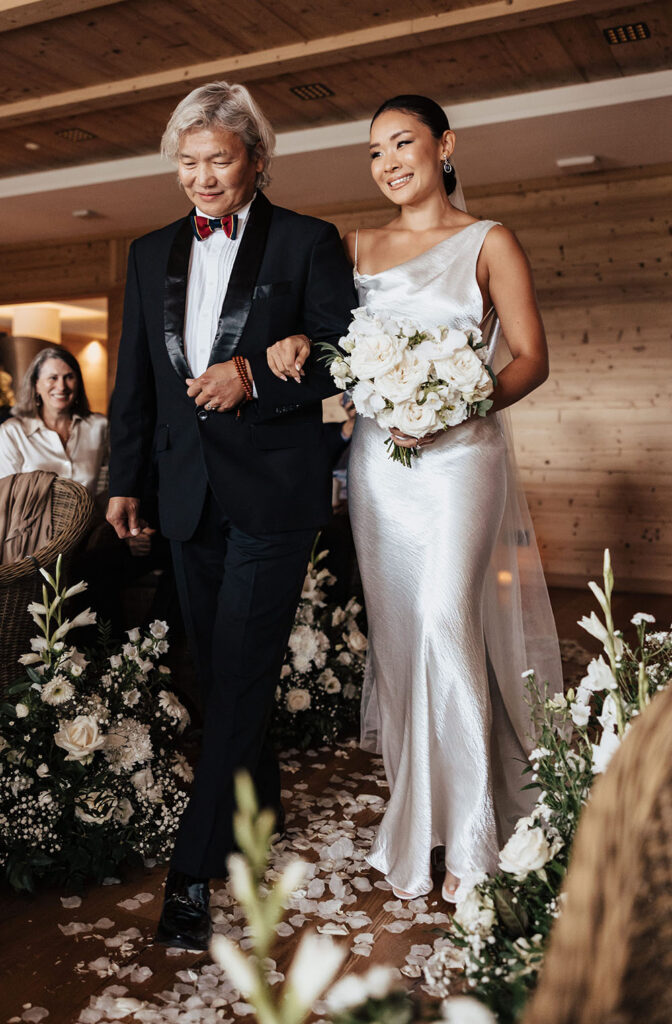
x=416 y=379
x=321 y=681
x=502 y=922
x=90 y=773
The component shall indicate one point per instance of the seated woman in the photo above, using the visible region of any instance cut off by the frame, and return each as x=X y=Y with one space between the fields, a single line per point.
x=52 y=426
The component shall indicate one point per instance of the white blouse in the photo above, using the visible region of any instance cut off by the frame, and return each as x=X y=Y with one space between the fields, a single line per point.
x=27 y=444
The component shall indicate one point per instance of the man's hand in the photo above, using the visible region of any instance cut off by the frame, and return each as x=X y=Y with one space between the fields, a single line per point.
x=219 y=388
x=122 y=514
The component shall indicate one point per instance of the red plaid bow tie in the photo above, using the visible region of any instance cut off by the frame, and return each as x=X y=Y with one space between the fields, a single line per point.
x=203 y=227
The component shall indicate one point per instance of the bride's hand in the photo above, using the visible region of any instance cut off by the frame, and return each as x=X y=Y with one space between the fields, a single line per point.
x=407 y=441
x=286 y=357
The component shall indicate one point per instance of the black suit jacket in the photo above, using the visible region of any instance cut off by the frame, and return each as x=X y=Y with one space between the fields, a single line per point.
x=268 y=467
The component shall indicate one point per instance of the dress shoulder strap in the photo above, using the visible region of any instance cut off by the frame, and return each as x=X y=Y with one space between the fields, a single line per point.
x=356 y=246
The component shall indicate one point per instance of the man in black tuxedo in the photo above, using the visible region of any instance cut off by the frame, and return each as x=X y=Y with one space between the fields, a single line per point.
x=244 y=473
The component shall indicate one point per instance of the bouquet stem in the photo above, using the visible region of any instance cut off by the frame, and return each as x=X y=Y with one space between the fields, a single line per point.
x=400 y=454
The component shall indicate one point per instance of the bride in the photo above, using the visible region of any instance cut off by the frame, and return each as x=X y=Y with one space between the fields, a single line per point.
x=456 y=603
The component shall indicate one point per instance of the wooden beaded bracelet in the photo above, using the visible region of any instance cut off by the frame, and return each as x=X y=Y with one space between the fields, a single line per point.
x=241 y=370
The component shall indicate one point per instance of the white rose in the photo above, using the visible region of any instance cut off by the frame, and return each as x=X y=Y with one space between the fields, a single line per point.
x=465 y=371
x=81 y=738
x=367 y=400
x=527 y=850
x=21 y=710
x=454 y=409
x=374 y=354
x=298 y=699
x=416 y=420
x=401 y=383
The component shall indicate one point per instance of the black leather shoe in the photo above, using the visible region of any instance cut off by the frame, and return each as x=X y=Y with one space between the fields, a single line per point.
x=185 y=918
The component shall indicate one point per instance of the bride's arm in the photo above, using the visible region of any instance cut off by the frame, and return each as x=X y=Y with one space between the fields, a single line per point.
x=504 y=271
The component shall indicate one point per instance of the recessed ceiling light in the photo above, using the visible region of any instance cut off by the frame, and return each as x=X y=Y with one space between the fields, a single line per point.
x=580 y=162
x=635 y=32
x=75 y=134
x=32 y=145
x=83 y=214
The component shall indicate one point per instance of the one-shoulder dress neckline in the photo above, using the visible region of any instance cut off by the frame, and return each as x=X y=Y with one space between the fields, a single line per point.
x=412 y=259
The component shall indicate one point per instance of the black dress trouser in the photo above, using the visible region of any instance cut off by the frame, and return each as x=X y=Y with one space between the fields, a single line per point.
x=238 y=595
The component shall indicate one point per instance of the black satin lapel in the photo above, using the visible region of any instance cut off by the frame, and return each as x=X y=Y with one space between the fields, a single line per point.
x=238 y=299
x=175 y=298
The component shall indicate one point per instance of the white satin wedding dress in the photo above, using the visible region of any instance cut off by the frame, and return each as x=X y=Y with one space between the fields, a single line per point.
x=456 y=603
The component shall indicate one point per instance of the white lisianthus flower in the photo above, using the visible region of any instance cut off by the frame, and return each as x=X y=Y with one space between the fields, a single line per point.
x=21 y=710
x=580 y=714
x=298 y=699
x=131 y=697
x=558 y=702
x=57 y=690
x=95 y=807
x=604 y=751
x=527 y=850
x=329 y=681
x=367 y=400
x=158 y=629
x=116 y=661
x=341 y=372
x=80 y=737
x=416 y=420
x=133 y=634
x=124 y=811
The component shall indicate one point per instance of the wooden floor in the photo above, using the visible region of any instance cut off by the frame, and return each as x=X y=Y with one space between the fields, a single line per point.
x=76 y=962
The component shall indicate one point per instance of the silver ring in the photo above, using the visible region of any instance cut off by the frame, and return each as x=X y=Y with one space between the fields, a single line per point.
x=210 y=406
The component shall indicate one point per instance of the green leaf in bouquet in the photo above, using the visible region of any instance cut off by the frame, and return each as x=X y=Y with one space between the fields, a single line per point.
x=512 y=915
x=21 y=687
x=8 y=709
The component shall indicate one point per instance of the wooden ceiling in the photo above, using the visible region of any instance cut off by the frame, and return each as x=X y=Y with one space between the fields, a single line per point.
x=116 y=69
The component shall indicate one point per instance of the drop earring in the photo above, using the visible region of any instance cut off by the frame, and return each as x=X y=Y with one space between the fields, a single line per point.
x=447 y=166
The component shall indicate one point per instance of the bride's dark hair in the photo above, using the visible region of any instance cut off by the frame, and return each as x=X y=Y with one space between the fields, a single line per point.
x=430 y=114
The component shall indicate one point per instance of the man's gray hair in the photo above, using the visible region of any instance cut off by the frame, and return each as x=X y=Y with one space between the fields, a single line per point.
x=220 y=105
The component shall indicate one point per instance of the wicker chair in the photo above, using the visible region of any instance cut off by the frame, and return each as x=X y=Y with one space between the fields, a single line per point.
x=610 y=954
x=21 y=583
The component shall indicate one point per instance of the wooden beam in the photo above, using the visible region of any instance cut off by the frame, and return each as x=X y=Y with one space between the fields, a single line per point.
x=17 y=13
x=492 y=16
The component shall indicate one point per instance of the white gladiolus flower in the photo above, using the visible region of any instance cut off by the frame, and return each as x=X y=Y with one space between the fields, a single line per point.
x=465 y=1010
x=80 y=737
x=641 y=617
x=527 y=850
x=598 y=676
x=29 y=659
x=315 y=964
x=355 y=989
x=291 y=877
x=76 y=588
x=240 y=874
x=234 y=963
x=604 y=751
x=21 y=710
x=608 y=717
x=592 y=625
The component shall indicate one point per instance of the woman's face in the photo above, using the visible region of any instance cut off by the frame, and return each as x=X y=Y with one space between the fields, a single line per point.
x=406 y=159
x=56 y=385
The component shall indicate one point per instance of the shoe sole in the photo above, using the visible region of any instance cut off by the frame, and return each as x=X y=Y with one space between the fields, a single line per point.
x=180 y=942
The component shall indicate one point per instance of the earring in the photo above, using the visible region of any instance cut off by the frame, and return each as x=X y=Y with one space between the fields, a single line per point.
x=447 y=166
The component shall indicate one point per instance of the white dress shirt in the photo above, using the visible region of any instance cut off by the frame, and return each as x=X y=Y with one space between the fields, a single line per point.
x=210 y=269
x=27 y=444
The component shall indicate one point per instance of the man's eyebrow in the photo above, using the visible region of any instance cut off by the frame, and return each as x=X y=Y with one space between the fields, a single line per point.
x=402 y=131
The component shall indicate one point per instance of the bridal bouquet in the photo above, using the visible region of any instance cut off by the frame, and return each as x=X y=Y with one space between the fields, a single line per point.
x=90 y=773
x=416 y=379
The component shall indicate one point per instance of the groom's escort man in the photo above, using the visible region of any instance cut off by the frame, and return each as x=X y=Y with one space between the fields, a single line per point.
x=244 y=477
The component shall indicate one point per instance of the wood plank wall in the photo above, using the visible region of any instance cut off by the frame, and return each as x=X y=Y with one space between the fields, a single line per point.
x=594 y=443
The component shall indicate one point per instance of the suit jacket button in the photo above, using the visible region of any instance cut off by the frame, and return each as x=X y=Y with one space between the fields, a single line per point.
x=202 y=414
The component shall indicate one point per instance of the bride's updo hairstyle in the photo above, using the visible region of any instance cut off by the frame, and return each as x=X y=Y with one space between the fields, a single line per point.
x=429 y=113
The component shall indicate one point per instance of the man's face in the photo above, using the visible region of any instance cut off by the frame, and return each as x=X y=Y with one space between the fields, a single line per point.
x=216 y=171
